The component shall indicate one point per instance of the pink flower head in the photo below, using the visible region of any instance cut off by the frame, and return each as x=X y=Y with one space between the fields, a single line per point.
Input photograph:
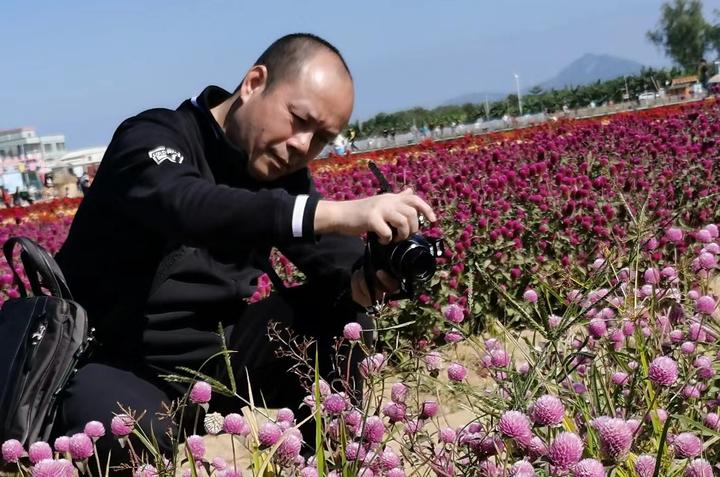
x=308 y=472
x=394 y=411
x=589 y=468
x=398 y=393
x=413 y=426
x=615 y=436
x=554 y=321
x=645 y=465
x=12 y=450
x=707 y=260
x=536 y=448
x=219 y=463
x=335 y=404
x=433 y=361
x=499 y=358
x=705 y=305
x=687 y=445
x=352 y=331
x=145 y=470
x=354 y=451
x=703 y=236
x=566 y=450
x=597 y=328
x=712 y=421
x=713 y=230
x=454 y=313
x=53 y=468
x=372 y=365
x=200 y=393
x=663 y=371
x=652 y=276
x=429 y=409
x=289 y=448
x=196 y=445
x=530 y=296
x=95 y=430
x=619 y=378
x=674 y=234
x=395 y=472
x=269 y=433
x=62 y=444
x=456 y=372
x=235 y=424
x=121 y=425
x=522 y=468
x=698 y=468
x=81 y=446
x=39 y=451
x=547 y=410
x=285 y=415
x=374 y=429
x=453 y=336
x=447 y=435
x=515 y=424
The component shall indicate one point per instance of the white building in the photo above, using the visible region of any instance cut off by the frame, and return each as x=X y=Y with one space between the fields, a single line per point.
x=80 y=160
x=25 y=143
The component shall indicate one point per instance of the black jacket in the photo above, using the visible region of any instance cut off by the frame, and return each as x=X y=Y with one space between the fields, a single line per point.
x=171 y=178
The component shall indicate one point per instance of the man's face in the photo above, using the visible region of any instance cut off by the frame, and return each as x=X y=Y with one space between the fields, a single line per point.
x=285 y=127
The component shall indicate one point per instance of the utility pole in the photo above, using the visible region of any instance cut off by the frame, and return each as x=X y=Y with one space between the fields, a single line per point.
x=517 y=85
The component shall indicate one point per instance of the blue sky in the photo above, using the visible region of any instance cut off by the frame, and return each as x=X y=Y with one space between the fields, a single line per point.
x=80 y=67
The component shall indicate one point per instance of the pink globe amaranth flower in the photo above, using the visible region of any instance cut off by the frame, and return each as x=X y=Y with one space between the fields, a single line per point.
x=536 y=448
x=688 y=347
x=81 y=446
x=707 y=260
x=713 y=230
x=372 y=365
x=233 y=473
x=687 y=445
x=499 y=358
x=454 y=313
x=597 y=328
x=669 y=273
x=354 y=451
x=12 y=450
x=308 y=472
x=652 y=276
x=530 y=296
x=365 y=472
x=698 y=468
x=335 y=404
x=712 y=421
x=522 y=468
x=269 y=433
x=395 y=412
x=566 y=450
x=62 y=444
x=645 y=465
x=663 y=371
x=433 y=361
x=615 y=436
x=515 y=424
x=453 y=336
x=289 y=448
x=235 y=424
x=413 y=426
x=523 y=368
x=619 y=378
x=447 y=435
x=674 y=234
x=660 y=413
x=95 y=430
x=651 y=244
x=429 y=409
x=53 y=468
x=703 y=236
x=633 y=425
x=456 y=372
x=389 y=460
x=352 y=331
x=705 y=305
x=285 y=415
x=219 y=463
x=597 y=264
x=588 y=468
x=574 y=296
x=196 y=445
x=200 y=393
x=146 y=470
x=554 y=321
x=547 y=410
x=396 y=472
x=374 y=429
x=121 y=425
x=398 y=393
x=39 y=451
x=677 y=336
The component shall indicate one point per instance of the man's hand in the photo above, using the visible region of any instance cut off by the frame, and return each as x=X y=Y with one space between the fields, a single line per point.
x=380 y=214
x=384 y=282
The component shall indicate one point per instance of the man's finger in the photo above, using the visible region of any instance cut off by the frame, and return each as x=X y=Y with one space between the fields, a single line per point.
x=423 y=207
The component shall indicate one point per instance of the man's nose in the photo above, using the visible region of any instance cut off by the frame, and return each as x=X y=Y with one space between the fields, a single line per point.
x=300 y=141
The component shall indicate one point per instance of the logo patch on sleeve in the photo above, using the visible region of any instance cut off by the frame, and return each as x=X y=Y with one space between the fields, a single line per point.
x=162 y=153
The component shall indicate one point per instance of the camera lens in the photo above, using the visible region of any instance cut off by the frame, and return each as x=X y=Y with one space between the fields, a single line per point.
x=412 y=259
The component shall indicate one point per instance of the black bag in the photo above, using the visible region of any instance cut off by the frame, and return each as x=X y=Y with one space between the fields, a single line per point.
x=42 y=340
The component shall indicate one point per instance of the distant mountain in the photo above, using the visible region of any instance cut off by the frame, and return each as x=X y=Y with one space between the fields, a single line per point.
x=590 y=68
x=474 y=98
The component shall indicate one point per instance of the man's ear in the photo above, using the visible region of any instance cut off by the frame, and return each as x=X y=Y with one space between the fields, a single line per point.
x=254 y=82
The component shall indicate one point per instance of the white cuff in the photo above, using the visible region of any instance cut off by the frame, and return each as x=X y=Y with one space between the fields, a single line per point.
x=298 y=215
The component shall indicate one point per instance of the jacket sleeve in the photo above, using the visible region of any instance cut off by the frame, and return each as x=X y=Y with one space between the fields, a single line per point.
x=153 y=179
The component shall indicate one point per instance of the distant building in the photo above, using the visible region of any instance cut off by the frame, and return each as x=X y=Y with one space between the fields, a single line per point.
x=682 y=86
x=25 y=143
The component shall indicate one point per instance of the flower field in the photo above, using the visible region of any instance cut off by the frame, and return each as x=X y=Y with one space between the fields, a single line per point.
x=574 y=321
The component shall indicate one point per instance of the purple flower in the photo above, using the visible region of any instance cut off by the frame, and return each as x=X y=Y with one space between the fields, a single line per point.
x=200 y=393
x=53 y=468
x=456 y=372
x=707 y=260
x=235 y=424
x=269 y=433
x=120 y=425
x=447 y=435
x=62 y=444
x=389 y=459
x=597 y=328
x=374 y=429
x=395 y=412
x=687 y=445
x=536 y=447
x=530 y=296
x=454 y=313
x=352 y=331
x=522 y=468
x=308 y=472
x=589 y=468
x=219 y=463
x=95 y=430
x=398 y=393
x=663 y=371
x=619 y=378
x=645 y=465
x=285 y=415
x=674 y=234
x=433 y=361
x=81 y=446
x=453 y=336
x=12 y=450
x=499 y=358
x=289 y=448
x=615 y=436
x=547 y=410
x=429 y=409
x=196 y=445
x=354 y=451
x=712 y=421
x=146 y=470
x=705 y=305
x=515 y=424
x=698 y=468
x=652 y=276
x=39 y=451
x=396 y=472
x=566 y=450
x=372 y=365
x=335 y=404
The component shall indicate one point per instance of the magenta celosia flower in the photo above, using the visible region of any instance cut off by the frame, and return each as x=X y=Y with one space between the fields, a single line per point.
x=398 y=393
x=53 y=468
x=705 y=304
x=447 y=435
x=588 y=468
x=566 y=450
x=39 y=451
x=663 y=371
x=196 y=445
x=289 y=448
x=615 y=436
x=698 y=468
x=547 y=410
x=352 y=331
x=456 y=372
x=269 y=433
x=429 y=409
x=95 y=430
x=335 y=403
x=62 y=444
x=121 y=425
x=645 y=465
x=433 y=361
x=530 y=296
x=522 y=468
x=454 y=313
x=687 y=445
x=515 y=424
x=81 y=446
x=374 y=429
x=201 y=393
x=12 y=450
x=235 y=424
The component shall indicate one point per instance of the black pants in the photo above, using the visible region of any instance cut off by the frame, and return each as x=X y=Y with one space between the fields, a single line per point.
x=98 y=387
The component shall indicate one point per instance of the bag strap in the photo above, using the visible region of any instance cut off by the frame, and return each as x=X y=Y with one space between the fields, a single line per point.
x=40 y=268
